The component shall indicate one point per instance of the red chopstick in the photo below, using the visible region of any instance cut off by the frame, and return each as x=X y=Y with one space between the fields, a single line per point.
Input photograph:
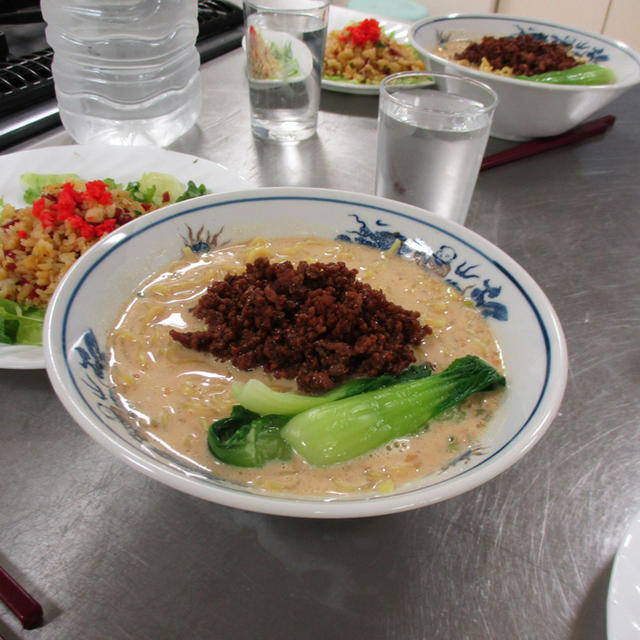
x=23 y=605
x=532 y=147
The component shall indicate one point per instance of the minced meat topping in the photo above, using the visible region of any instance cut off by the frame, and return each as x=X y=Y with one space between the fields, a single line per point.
x=526 y=55
x=314 y=322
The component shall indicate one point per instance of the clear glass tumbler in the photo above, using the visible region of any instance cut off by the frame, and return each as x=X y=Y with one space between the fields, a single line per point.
x=284 y=43
x=432 y=133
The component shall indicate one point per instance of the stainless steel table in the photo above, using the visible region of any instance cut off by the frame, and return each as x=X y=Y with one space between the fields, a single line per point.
x=113 y=555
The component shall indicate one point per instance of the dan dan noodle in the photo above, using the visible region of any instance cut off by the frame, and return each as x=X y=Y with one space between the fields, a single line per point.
x=172 y=394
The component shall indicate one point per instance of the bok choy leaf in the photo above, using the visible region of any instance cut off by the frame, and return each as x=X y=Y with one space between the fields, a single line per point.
x=335 y=427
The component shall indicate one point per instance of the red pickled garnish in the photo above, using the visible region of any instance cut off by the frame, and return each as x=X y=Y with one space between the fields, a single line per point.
x=68 y=199
x=23 y=234
x=99 y=191
x=84 y=228
x=166 y=197
x=366 y=31
x=69 y=196
x=44 y=215
x=75 y=221
x=87 y=230
x=106 y=227
x=253 y=36
x=50 y=210
x=38 y=207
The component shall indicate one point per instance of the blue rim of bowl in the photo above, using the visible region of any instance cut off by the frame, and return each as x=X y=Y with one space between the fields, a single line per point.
x=323 y=507
x=624 y=48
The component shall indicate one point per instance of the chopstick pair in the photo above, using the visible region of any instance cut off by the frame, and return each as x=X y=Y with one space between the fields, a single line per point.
x=21 y=603
x=533 y=147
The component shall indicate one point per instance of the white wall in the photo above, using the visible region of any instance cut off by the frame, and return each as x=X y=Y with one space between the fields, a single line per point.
x=583 y=14
x=623 y=22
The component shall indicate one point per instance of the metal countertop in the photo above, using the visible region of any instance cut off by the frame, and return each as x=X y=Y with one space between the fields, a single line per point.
x=114 y=555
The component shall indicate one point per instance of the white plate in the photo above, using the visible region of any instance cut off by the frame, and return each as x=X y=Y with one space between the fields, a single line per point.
x=623 y=601
x=120 y=163
x=339 y=18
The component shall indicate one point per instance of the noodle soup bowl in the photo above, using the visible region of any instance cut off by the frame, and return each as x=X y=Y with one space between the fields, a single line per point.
x=92 y=295
x=529 y=109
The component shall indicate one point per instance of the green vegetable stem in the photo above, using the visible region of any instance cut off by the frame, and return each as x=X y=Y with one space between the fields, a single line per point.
x=343 y=427
x=584 y=74
x=257 y=396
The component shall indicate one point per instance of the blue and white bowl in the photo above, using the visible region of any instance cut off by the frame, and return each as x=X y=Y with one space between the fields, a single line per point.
x=91 y=296
x=531 y=109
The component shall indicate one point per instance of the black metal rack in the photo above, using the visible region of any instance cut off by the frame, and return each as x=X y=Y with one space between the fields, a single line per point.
x=26 y=80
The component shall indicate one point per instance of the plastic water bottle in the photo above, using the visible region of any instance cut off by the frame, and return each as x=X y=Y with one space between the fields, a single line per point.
x=125 y=71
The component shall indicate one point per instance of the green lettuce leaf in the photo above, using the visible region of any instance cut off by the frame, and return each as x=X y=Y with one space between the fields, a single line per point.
x=19 y=324
x=34 y=182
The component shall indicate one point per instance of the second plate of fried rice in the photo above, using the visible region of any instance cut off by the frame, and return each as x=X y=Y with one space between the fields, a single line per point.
x=339 y=18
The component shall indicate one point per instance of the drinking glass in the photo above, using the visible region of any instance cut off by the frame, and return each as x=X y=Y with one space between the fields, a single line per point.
x=284 y=43
x=432 y=133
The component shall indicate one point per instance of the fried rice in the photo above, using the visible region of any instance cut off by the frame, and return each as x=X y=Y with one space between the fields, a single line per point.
x=364 y=54
x=40 y=242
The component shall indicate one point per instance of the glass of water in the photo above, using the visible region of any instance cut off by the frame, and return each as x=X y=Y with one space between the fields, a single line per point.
x=284 y=42
x=432 y=133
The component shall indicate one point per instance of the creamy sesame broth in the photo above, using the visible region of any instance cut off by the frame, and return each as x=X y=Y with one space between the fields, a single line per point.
x=450 y=48
x=172 y=394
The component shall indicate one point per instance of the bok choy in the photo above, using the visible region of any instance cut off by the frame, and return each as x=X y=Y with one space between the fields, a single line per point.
x=344 y=427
